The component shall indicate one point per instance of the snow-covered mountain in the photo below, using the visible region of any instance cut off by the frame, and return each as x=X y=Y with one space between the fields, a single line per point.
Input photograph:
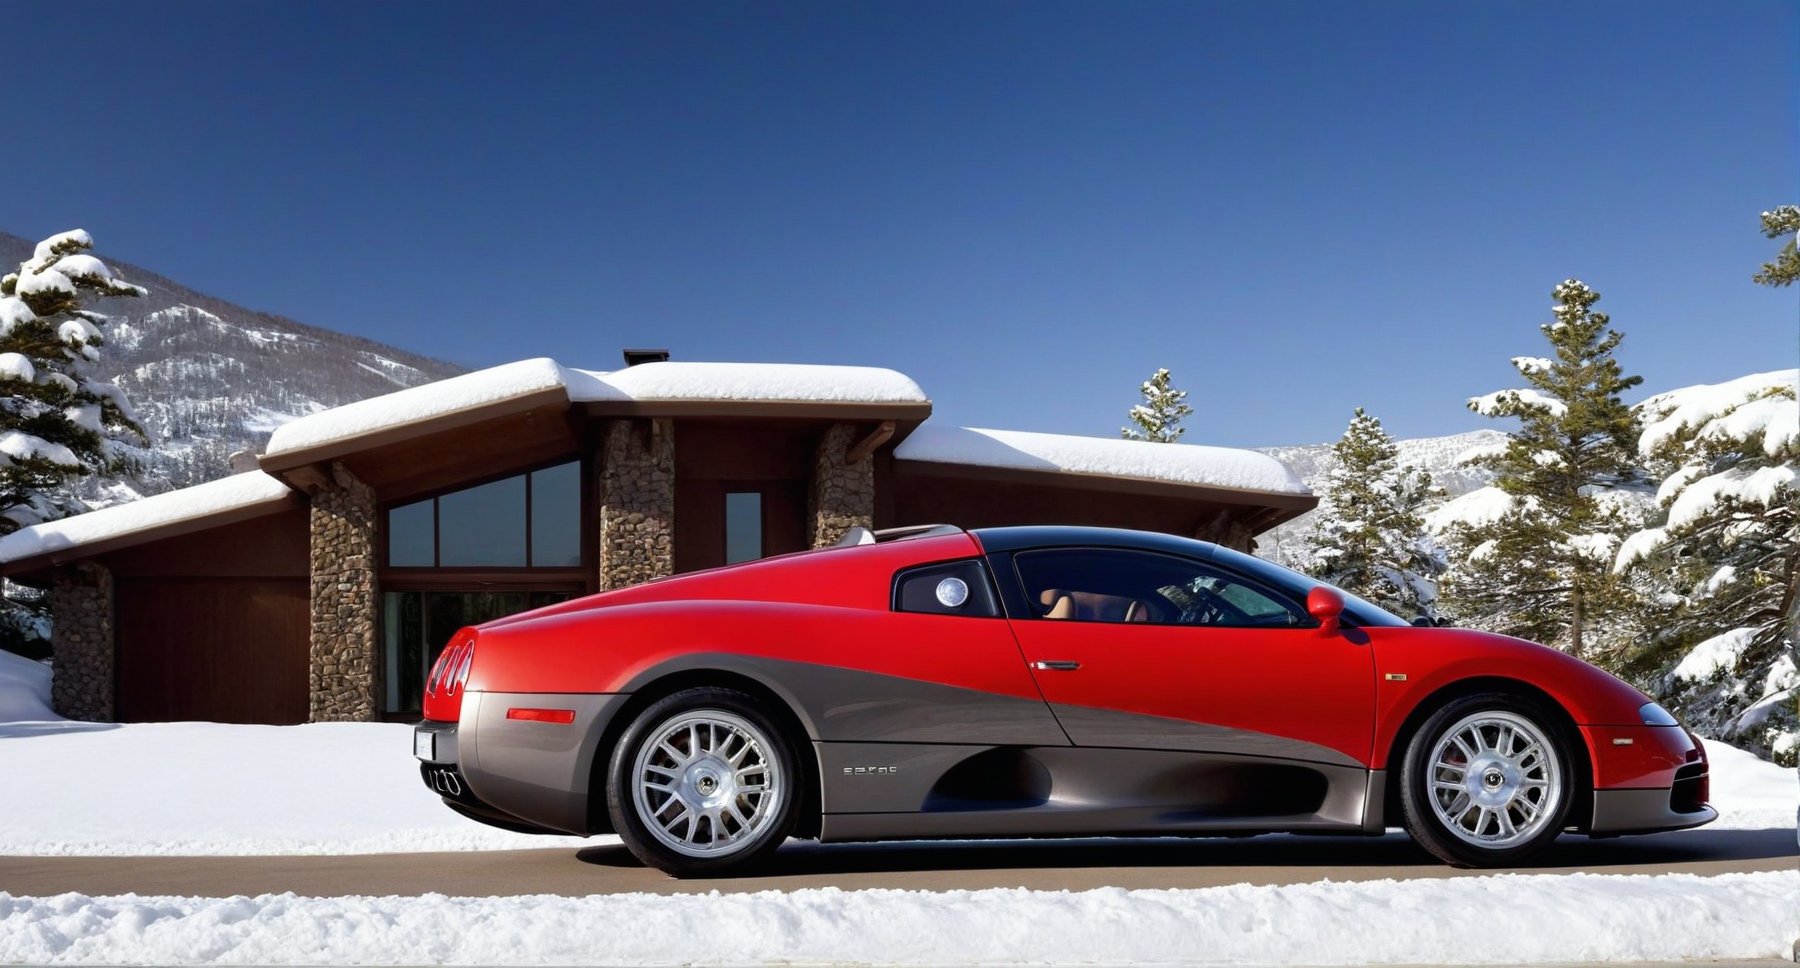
x=1437 y=455
x=209 y=378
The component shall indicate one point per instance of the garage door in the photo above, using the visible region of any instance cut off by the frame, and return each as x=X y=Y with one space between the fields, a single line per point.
x=224 y=650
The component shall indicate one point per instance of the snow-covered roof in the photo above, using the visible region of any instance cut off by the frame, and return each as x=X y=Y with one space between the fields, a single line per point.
x=761 y=382
x=1192 y=464
x=648 y=382
x=235 y=493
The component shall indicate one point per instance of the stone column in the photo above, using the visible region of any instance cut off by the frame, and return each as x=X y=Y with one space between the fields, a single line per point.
x=1230 y=530
x=843 y=490
x=637 y=502
x=81 y=642
x=346 y=656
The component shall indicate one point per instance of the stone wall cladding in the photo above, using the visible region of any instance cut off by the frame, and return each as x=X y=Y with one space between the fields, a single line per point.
x=81 y=642
x=842 y=494
x=345 y=657
x=637 y=502
x=1229 y=530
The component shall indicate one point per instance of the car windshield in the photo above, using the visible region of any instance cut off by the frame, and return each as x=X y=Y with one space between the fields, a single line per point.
x=1358 y=610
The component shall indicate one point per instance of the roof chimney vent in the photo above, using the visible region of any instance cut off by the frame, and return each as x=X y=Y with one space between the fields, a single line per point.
x=634 y=357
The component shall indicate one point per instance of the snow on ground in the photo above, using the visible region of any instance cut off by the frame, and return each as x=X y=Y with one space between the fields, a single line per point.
x=1472 y=920
x=1112 y=457
x=238 y=491
x=209 y=788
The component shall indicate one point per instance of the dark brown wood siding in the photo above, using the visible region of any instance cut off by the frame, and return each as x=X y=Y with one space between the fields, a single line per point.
x=215 y=625
x=229 y=650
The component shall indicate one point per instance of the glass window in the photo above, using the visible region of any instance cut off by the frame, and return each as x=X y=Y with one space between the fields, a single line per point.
x=1094 y=585
x=483 y=526
x=956 y=588
x=416 y=625
x=743 y=526
x=556 y=516
x=410 y=539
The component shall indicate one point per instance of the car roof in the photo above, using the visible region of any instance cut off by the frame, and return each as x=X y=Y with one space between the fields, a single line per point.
x=1063 y=536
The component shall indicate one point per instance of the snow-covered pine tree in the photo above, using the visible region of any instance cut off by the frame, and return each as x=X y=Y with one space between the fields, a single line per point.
x=1723 y=566
x=1539 y=564
x=1785 y=270
x=57 y=421
x=1158 y=418
x=1370 y=537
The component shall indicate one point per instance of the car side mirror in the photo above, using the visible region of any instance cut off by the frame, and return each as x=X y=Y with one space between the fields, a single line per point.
x=1326 y=605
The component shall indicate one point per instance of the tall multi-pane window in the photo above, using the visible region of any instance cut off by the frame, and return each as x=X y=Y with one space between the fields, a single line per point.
x=519 y=527
x=529 y=521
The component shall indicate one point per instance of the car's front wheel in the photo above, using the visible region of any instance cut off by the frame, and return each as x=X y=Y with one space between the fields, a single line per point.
x=1487 y=781
x=703 y=782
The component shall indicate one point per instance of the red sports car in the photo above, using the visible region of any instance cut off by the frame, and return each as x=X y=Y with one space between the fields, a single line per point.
x=1041 y=681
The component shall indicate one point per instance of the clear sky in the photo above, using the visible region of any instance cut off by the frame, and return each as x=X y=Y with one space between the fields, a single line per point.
x=1299 y=208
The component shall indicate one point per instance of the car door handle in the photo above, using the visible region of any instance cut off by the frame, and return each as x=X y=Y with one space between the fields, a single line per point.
x=1056 y=665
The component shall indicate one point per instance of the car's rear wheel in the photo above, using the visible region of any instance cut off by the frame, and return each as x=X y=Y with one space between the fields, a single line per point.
x=1487 y=781
x=702 y=782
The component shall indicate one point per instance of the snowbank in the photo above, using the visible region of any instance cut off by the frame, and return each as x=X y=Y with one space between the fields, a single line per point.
x=1174 y=463
x=1582 y=917
x=208 y=788
x=778 y=382
x=236 y=492
x=24 y=690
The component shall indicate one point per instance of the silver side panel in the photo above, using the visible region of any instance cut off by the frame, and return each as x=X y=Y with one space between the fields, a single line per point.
x=883 y=790
x=538 y=772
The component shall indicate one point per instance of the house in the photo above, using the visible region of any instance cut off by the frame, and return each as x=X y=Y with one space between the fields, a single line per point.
x=320 y=583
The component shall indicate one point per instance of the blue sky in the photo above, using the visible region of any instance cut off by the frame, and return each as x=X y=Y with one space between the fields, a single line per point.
x=1299 y=208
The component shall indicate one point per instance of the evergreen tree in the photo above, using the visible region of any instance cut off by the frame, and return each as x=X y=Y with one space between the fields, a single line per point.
x=1370 y=536
x=57 y=422
x=1785 y=270
x=1539 y=566
x=1158 y=418
x=1722 y=568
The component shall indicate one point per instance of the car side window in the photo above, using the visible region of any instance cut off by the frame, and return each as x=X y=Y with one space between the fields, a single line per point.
x=1109 y=585
x=950 y=588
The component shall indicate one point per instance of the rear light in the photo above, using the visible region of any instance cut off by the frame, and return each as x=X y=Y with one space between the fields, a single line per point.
x=449 y=675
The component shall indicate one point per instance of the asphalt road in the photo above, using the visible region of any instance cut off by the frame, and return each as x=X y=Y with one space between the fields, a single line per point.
x=1073 y=865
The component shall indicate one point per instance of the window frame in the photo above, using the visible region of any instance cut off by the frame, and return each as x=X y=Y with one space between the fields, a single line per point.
x=1019 y=606
x=437 y=574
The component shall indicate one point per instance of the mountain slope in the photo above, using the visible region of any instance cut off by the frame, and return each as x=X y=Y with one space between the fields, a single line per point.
x=208 y=377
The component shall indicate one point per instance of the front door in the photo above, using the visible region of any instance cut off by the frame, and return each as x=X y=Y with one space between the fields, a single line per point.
x=1151 y=651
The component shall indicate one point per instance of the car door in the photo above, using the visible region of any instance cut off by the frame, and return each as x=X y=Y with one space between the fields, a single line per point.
x=1147 y=650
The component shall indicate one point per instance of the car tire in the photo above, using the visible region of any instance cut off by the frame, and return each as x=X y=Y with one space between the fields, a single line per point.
x=1487 y=781
x=704 y=782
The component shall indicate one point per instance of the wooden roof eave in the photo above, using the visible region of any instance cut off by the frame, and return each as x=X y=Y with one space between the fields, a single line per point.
x=281 y=465
x=35 y=569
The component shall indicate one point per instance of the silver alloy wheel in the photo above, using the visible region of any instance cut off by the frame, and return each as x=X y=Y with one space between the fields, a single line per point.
x=706 y=783
x=1495 y=779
